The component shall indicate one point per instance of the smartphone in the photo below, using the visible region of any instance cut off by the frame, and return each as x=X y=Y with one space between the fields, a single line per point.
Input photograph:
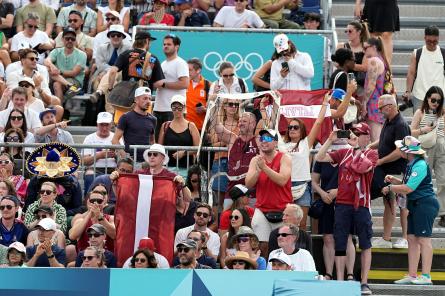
x=343 y=134
x=198 y=105
x=351 y=77
x=285 y=65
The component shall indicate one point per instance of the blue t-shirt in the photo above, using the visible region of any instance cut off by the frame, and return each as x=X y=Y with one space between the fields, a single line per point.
x=328 y=175
x=18 y=233
x=262 y=264
x=43 y=261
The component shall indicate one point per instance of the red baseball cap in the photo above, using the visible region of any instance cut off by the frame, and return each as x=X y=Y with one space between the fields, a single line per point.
x=361 y=128
x=147 y=243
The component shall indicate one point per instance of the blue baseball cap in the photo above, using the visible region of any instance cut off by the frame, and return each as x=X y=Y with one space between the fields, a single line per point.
x=338 y=94
x=179 y=2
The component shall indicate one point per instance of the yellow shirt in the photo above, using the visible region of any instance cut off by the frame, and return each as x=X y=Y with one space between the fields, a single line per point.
x=260 y=4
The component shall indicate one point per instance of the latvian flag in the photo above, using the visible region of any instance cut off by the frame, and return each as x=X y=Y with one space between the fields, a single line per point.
x=145 y=206
x=304 y=105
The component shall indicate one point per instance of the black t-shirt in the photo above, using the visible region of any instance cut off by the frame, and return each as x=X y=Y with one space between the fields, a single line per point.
x=137 y=129
x=328 y=175
x=342 y=80
x=393 y=130
x=131 y=63
x=5 y=9
x=183 y=221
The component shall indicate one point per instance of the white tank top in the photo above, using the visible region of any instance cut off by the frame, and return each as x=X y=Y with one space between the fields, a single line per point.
x=429 y=72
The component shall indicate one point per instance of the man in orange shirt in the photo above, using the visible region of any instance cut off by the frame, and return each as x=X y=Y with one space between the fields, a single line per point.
x=197 y=94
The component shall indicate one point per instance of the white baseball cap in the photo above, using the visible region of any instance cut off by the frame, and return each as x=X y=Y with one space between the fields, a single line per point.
x=281 y=43
x=48 y=224
x=156 y=148
x=280 y=256
x=143 y=90
x=104 y=117
x=17 y=246
x=178 y=99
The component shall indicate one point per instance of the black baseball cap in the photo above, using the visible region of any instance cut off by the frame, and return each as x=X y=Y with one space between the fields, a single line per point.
x=69 y=30
x=144 y=35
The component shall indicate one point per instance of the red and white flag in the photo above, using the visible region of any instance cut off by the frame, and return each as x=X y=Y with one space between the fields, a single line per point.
x=305 y=105
x=145 y=206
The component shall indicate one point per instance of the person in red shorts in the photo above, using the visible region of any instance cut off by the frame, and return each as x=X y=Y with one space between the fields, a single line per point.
x=353 y=202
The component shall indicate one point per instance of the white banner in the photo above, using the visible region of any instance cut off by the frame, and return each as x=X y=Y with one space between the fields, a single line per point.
x=302 y=111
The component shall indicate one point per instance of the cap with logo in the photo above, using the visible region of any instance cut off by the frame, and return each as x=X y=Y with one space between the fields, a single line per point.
x=48 y=224
x=143 y=90
x=104 y=117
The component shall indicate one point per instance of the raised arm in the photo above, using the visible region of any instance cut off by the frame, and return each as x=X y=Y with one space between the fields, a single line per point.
x=312 y=137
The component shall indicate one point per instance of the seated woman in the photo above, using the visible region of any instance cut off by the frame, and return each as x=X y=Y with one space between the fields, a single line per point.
x=6 y=174
x=93 y=258
x=16 y=255
x=193 y=182
x=17 y=119
x=48 y=194
x=240 y=196
x=15 y=135
x=241 y=261
x=143 y=258
x=40 y=213
x=246 y=240
x=158 y=16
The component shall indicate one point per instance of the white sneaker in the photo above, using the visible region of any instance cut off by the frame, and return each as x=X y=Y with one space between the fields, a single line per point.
x=400 y=243
x=422 y=280
x=381 y=243
x=406 y=280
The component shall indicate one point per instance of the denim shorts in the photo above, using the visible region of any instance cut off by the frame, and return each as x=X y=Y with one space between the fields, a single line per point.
x=220 y=183
x=305 y=200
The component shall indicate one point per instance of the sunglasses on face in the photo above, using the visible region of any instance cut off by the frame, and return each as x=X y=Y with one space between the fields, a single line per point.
x=100 y=192
x=9 y=207
x=266 y=139
x=32 y=27
x=177 y=108
x=5 y=162
x=228 y=75
x=24 y=84
x=243 y=239
x=234 y=217
x=89 y=258
x=293 y=127
x=435 y=101
x=46 y=192
x=96 y=235
x=194 y=181
x=40 y=217
x=142 y=260
x=72 y=21
x=205 y=215
x=348 y=31
x=381 y=107
x=284 y=234
x=183 y=249
x=96 y=201
x=121 y=170
x=115 y=35
x=110 y=19
x=17 y=118
x=72 y=39
x=238 y=262
x=12 y=139
x=32 y=59
x=154 y=154
x=232 y=105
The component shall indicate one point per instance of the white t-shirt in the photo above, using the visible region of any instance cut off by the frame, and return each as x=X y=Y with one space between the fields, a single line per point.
x=301 y=260
x=162 y=261
x=300 y=160
x=37 y=38
x=36 y=106
x=173 y=70
x=96 y=140
x=213 y=244
x=235 y=88
x=32 y=118
x=301 y=71
x=228 y=17
x=105 y=9
x=17 y=67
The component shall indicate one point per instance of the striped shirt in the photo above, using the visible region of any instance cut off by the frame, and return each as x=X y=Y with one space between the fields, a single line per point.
x=428 y=118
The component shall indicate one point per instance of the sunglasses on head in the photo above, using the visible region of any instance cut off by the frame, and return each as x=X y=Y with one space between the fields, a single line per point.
x=154 y=154
x=228 y=75
x=238 y=262
x=177 y=108
x=32 y=27
x=12 y=139
x=114 y=35
x=234 y=217
x=96 y=201
x=72 y=21
x=110 y=19
x=17 y=118
x=283 y=234
x=9 y=207
x=435 y=101
x=142 y=260
x=87 y=257
x=199 y=214
x=5 y=162
x=232 y=105
x=24 y=84
x=266 y=139
x=183 y=249
x=72 y=39
x=100 y=192
x=47 y=192
x=243 y=239
x=96 y=235
x=293 y=127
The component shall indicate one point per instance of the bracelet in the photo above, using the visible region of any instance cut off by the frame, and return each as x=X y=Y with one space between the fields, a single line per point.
x=51 y=256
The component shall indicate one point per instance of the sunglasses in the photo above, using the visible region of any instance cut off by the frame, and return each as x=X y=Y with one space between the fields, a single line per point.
x=32 y=27
x=47 y=192
x=96 y=201
x=293 y=127
x=121 y=170
x=142 y=260
x=238 y=262
x=381 y=108
x=5 y=162
x=87 y=257
x=72 y=39
x=100 y=192
x=9 y=207
x=17 y=118
x=232 y=105
x=154 y=154
x=234 y=217
x=12 y=139
x=284 y=234
x=183 y=249
x=194 y=181
x=228 y=75
x=266 y=139
x=115 y=35
x=72 y=21
x=177 y=108
x=199 y=214
x=32 y=59
x=435 y=101
x=40 y=217
x=96 y=235
x=110 y=19
x=24 y=84
x=243 y=239
x=348 y=31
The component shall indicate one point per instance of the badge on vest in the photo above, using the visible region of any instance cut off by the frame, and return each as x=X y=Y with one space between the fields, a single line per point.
x=414 y=174
x=202 y=93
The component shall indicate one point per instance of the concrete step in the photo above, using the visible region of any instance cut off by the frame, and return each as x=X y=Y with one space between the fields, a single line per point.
x=389 y=289
x=400 y=2
x=408 y=10
x=410 y=34
x=405 y=22
x=438 y=232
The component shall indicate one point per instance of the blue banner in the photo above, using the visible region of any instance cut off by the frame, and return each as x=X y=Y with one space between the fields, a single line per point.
x=247 y=50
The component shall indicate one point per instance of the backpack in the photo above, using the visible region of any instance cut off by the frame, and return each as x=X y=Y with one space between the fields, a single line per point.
x=419 y=53
x=140 y=65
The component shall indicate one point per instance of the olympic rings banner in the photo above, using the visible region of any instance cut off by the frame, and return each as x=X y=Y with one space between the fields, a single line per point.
x=247 y=50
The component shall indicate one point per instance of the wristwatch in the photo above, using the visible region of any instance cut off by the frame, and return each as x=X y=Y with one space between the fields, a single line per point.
x=51 y=256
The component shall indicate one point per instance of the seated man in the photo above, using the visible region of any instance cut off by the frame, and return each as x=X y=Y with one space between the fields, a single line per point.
x=66 y=66
x=237 y=17
x=45 y=13
x=89 y=17
x=271 y=12
x=45 y=254
x=200 y=239
x=312 y=21
x=188 y=16
x=11 y=229
x=280 y=261
x=187 y=253
x=52 y=131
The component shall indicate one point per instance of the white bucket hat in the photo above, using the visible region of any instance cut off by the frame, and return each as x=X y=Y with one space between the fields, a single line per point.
x=156 y=148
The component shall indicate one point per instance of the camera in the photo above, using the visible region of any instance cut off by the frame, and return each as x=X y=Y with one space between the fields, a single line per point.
x=407 y=104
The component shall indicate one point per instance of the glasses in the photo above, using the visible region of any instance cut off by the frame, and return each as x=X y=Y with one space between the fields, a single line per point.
x=284 y=234
x=89 y=258
x=101 y=192
x=228 y=75
x=47 y=192
x=154 y=154
x=243 y=239
x=17 y=118
x=96 y=201
x=5 y=162
x=234 y=217
x=232 y=105
x=122 y=170
x=12 y=139
x=183 y=249
x=293 y=127
x=96 y=235
x=110 y=19
x=381 y=107
x=9 y=207
x=238 y=262
x=72 y=39
x=24 y=84
x=266 y=139
x=72 y=21
x=194 y=181
x=32 y=27
x=177 y=108
x=205 y=215
x=40 y=217
x=142 y=260
x=115 y=35
x=348 y=31
x=32 y=59
x=435 y=101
